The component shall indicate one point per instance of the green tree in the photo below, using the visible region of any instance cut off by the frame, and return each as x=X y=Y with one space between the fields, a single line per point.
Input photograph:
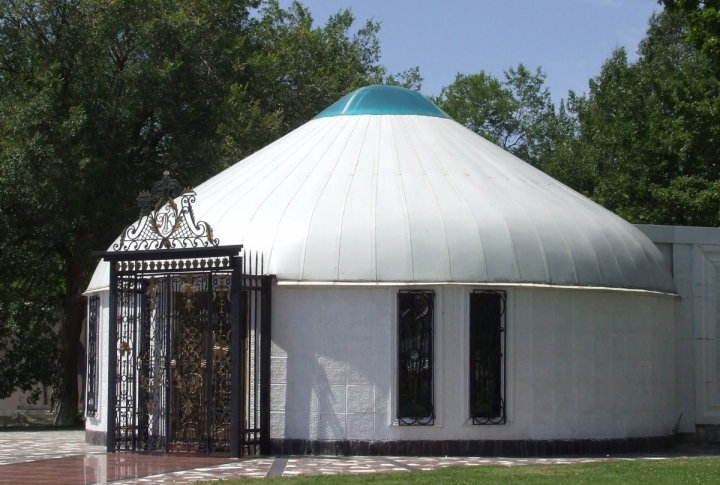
x=650 y=130
x=97 y=99
x=30 y=307
x=409 y=79
x=703 y=20
x=516 y=113
x=298 y=70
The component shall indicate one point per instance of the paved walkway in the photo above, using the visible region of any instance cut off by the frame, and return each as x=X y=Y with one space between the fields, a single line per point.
x=62 y=458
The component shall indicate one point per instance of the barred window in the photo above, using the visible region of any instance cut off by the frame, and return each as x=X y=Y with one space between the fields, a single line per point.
x=92 y=363
x=415 y=358
x=487 y=357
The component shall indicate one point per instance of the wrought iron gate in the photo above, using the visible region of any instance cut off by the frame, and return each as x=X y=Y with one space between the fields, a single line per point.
x=255 y=401
x=189 y=331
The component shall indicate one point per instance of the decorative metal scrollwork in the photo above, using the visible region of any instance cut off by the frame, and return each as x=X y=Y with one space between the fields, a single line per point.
x=415 y=355
x=92 y=358
x=163 y=224
x=487 y=357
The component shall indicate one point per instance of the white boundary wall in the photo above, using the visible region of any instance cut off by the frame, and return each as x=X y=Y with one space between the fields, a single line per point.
x=693 y=255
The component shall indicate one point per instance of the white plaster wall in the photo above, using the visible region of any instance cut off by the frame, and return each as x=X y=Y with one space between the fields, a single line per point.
x=684 y=337
x=99 y=423
x=693 y=255
x=706 y=309
x=581 y=364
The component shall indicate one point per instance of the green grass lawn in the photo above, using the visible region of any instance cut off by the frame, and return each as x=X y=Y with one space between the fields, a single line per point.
x=678 y=470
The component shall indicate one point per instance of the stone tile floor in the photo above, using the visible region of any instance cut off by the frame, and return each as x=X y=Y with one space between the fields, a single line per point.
x=62 y=458
x=24 y=446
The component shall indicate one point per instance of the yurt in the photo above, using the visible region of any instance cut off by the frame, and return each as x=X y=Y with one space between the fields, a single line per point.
x=381 y=280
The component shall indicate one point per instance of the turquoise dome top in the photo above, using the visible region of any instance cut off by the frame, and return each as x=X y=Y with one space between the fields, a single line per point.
x=383 y=100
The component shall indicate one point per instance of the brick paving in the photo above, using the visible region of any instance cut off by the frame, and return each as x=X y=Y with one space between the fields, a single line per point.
x=62 y=458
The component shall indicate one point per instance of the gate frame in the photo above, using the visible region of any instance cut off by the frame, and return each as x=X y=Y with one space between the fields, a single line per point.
x=167 y=231
x=237 y=433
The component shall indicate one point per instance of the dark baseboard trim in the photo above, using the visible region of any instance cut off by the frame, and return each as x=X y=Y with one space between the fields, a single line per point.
x=707 y=433
x=704 y=433
x=507 y=448
x=95 y=437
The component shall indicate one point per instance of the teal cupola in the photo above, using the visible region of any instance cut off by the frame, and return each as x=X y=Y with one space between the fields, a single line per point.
x=383 y=100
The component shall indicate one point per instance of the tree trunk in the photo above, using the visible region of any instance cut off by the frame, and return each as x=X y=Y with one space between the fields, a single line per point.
x=65 y=409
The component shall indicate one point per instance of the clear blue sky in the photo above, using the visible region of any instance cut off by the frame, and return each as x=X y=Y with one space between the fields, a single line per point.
x=570 y=39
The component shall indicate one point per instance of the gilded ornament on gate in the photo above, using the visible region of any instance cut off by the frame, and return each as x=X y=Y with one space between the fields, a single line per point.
x=187 y=407
x=189 y=305
x=165 y=224
x=188 y=289
x=194 y=383
x=152 y=290
x=124 y=347
x=190 y=383
x=221 y=346
x=152 y=383
x=222 y=291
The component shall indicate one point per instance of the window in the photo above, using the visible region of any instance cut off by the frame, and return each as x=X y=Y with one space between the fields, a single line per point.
x=92 y=343
x=415 y=358
x=487 y=358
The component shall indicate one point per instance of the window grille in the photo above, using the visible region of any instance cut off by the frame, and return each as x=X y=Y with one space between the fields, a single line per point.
x=487 y=357
x=415 y=358
x=92 y=364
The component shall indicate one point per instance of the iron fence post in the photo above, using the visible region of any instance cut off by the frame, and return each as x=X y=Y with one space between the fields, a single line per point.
x=236 y=313
x=112 y=362
x=265 y=347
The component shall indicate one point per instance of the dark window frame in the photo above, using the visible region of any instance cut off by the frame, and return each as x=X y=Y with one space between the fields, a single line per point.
x=422 y=359
x=495 y=341
x=92 y=386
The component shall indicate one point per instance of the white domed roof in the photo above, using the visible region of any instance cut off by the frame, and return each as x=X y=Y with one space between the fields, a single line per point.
x=417 y=198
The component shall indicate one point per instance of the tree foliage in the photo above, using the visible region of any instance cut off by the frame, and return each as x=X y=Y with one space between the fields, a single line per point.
x=644 y=141
x=517 y=113
x=703 y=19
x=30 y=307
x=409 y=79
x=97 y=98
x=298 y=70
x=651 y=131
